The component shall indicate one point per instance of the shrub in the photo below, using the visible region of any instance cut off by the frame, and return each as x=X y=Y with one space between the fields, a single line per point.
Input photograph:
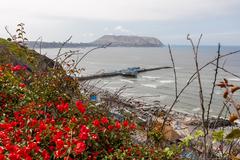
x=37 y=122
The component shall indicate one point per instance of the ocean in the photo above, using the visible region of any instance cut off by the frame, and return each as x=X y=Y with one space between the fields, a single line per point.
x=158 y=86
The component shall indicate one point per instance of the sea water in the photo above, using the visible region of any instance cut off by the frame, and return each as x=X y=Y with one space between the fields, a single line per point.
x=158 y=85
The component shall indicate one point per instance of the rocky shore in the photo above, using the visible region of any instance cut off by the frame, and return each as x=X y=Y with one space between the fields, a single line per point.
x=179 y=125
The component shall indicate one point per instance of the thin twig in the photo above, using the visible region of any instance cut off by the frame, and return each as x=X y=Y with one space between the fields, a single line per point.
x=6 y=28
x=75 y=52
x=214 y=84
x=59 y=51
x=103 y=46
x=35 y=43
x=174 y=71
x=233 y=74
x=195 y=51
x=220 y=113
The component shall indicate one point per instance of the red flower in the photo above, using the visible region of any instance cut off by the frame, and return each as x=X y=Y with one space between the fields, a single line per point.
x=38 y=138
x=84 y=129
x=2 y=157
x=16 y=68
x=42 y=126
x=32 y=145
x=1 y=149
x=94 y=136
x=110 y=127
x=73 y=119
x=110 y=150
x=59 y=144
x=80 y=107
x=104 y=120
x=125 y=123
x=1 y=68
x=96 y=123
x=58 y=153
x=14 y=156
x=117 y=124
x=83 y=136
x=22 y=85
x=58 y=135
x=67 y=129
x=45 y=155
x=80 y=148
x=62 y=107
x=132 y=126
x=32 y=122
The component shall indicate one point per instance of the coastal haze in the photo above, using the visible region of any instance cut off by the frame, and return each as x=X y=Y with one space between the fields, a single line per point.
x=158 y=86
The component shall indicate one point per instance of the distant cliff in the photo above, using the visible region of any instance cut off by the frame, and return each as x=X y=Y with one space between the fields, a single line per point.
x=128 y=41
x=116 y=41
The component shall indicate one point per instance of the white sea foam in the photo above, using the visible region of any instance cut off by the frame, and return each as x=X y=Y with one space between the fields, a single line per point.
x=128 y=81
x=151 y=77
x=196 y=109
x=149 y=85
x=166 y=81
x=234 y=79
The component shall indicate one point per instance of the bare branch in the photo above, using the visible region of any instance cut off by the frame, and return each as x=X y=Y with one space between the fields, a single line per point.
x=59 y=51
x=214 y=84
x=233 y=74
x=174 y=70
x=6 y=28
x=35 y=43
x=103 y=46
x=195 y=51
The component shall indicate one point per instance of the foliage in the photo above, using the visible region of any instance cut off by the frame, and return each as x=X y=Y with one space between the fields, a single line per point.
x=218 y=136
x=235 y=133
x=21 y=34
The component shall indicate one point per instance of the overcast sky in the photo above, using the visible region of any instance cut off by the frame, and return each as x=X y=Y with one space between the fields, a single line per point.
x=168 y=20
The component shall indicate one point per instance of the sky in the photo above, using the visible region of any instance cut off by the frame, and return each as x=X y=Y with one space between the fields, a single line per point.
x=86 y=20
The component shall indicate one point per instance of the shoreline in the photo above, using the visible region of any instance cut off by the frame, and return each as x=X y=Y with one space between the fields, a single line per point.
x=182 y=123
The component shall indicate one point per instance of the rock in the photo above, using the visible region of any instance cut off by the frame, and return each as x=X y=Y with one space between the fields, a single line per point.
x=216 y=123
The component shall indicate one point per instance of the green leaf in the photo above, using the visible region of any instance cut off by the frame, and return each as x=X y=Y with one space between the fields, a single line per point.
x=198 y=133
x=234 y=134
x=186 y=141
x=217 y=135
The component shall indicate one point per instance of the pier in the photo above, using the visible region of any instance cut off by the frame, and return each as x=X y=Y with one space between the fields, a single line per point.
x=129 y=72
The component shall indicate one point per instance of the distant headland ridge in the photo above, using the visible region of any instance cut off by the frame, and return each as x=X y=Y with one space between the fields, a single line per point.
x=115 y=40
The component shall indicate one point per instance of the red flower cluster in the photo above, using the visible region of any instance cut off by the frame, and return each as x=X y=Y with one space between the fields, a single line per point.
x=18 y=68
x=80 y=106
x=62 y=107
x=39 y=129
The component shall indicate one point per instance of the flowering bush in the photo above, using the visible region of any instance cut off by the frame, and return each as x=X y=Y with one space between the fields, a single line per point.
x=35 y=127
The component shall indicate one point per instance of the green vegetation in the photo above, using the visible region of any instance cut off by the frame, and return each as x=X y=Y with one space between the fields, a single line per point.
x=12 y=52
